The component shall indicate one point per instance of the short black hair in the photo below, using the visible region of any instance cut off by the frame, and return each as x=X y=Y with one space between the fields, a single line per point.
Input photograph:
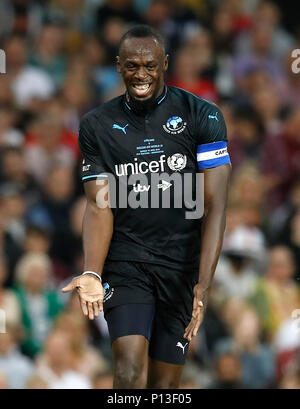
x=142 y=31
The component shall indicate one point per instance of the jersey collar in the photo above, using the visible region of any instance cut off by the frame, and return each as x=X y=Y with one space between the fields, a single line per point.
x=159 y=100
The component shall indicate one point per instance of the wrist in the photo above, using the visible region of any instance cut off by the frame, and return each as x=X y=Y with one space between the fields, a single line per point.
x=92 y=273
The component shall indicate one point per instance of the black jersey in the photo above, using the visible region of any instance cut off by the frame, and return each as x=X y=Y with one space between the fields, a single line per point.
x=180 y=136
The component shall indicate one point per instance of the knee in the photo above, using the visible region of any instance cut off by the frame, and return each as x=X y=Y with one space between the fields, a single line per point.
x=129 y=375
x=164 y=384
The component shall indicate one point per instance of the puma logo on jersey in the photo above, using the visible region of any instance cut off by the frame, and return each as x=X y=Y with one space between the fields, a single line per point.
x=214 y=116
x=179 y=344
x=122 y=128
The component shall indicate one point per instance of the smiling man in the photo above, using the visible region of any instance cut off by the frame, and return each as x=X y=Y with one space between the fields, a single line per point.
x=142 y=263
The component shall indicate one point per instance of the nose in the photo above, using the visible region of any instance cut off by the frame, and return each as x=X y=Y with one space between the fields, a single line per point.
x=141 y=73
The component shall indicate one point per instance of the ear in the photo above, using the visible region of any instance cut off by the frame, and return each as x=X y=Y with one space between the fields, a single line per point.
x=166 y=62
x=118 y=64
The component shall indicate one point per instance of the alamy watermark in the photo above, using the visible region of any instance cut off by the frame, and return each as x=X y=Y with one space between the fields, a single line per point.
x=2 y=62
x=2 y=321
x=296 y=63
x=160 y=190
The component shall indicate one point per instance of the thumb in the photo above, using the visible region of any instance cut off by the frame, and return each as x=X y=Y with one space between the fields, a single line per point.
x=68 y=287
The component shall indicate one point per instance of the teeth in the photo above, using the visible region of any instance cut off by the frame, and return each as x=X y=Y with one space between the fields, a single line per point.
x=142 y=87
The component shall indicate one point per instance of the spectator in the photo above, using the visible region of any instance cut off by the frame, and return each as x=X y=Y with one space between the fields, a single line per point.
x=13 y=364
x=286 y=345
x=8 y=300
x=122 y=9
x=85 y=359
x=257 y=360
x=245 y=142
x=227 y=373
x=76 y=217
x=60 y=63
x=12 y=226
x=9 y=135
x=53 y=214
x=56 y=369
x=267 y=13
x=189 y=66
x=48 y=54
x=27 y=82
x=15 y=173
x=48 y=147
x=268 y=107
x=23 y=18
x=37 y=240
x=39 y=303
x=277 y=295
x=280 y=160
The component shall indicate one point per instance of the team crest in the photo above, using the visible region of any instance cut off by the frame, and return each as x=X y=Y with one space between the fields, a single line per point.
x=108 y=292
x=177 y=162
x=174 y=125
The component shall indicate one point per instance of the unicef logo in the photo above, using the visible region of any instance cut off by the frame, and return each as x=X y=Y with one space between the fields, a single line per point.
x=174 y=125
x=177 y=162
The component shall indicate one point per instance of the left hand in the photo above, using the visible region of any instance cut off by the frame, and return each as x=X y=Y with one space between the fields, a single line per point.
x=197 y=314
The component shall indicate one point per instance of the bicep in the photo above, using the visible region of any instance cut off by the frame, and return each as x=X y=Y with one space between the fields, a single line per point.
x=96 y=192
x=216 y=182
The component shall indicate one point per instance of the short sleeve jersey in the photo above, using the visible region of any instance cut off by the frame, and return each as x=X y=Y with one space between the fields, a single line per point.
x=151 y=162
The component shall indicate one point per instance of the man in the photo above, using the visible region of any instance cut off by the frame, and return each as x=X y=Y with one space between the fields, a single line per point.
x=155 y=286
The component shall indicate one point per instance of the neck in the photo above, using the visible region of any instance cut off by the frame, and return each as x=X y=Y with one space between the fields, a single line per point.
x=143 y=107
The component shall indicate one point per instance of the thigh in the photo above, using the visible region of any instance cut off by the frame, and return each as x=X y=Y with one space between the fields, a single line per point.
x=126 y=282
x=174 y=304
x=167 y=343
x=130 y=319
x=130 y=327
x=131 y=348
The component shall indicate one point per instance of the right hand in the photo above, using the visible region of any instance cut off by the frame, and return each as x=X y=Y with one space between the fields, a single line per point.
x=91 y=293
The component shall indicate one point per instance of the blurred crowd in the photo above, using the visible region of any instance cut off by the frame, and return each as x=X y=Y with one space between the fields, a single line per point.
x=60 y=63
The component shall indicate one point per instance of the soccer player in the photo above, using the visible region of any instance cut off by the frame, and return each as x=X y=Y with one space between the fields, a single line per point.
x=142 y=264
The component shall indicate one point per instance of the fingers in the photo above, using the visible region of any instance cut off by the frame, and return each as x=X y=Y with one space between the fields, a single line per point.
x=84 y=307
x=196 y=328
x=91 y=310
x=194 y=325
x=96 y=308
x=192 y=329
x=100 y=305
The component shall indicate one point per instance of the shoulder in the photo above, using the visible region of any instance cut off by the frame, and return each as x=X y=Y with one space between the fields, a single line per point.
x=195 y=103
x=101 y=112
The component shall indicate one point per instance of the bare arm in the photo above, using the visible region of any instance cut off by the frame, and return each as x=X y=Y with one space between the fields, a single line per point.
x=97 y=227
x=97 y=233
x=216 y=182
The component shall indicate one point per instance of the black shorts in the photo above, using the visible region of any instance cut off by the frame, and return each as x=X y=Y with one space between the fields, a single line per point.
x=150 y=300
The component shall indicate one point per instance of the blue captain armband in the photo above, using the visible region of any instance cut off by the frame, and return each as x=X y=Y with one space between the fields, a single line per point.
x=210 y=155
